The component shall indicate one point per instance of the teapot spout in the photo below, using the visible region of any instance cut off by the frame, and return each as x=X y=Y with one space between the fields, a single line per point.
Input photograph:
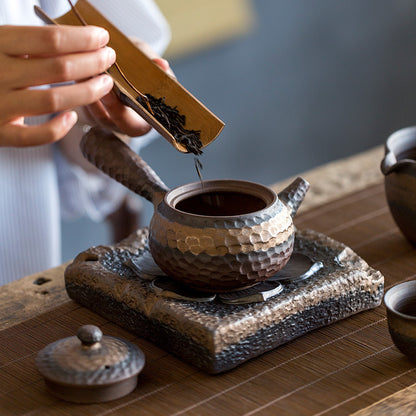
x=293 y=195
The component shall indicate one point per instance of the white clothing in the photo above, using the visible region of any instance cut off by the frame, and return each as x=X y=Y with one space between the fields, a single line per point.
x=31 y=179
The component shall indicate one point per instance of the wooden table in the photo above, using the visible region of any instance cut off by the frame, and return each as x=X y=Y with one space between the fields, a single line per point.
x=337 y=370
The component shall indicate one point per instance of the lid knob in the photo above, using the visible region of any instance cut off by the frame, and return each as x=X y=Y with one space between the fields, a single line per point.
x=89 y=335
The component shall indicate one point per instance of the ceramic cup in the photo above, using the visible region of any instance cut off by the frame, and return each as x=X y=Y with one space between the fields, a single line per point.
x=399 y=169
x=400 y=302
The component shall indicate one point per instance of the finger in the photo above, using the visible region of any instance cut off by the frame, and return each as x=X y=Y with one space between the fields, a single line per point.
x=13 y=135
x=72 y=67
x=144 y=47
x=126 y=119
x=164 y=64
x=53 y=100
x=151 y=54
x=31 y=40
x=98 y=113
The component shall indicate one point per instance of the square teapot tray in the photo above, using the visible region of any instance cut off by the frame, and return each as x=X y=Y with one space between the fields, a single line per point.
x=213 y=332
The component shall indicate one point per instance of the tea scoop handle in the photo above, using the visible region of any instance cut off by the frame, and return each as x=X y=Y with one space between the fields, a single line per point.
x=115 y=158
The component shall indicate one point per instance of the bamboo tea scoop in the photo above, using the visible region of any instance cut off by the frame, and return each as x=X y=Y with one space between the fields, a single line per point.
x=135 y=75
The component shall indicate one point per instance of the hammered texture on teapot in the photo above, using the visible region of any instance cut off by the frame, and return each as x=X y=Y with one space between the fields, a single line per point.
x=223 y=253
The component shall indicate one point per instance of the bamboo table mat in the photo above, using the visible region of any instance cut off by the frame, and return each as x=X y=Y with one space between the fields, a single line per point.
x=336 y=370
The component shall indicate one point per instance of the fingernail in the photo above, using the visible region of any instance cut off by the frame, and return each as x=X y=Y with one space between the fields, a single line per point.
x=162 y=63
x=110 y=54
x=106 y=83
x=165 y=62
x=103 y=36
x=70 y=118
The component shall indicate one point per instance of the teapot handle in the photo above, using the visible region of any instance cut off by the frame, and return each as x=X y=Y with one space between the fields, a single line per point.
x=111 y=155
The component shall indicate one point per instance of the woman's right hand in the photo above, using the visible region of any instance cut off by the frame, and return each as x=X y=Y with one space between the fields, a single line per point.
x=44 y=55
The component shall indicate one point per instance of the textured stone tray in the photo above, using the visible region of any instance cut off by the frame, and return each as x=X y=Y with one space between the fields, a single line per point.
x=215 y=336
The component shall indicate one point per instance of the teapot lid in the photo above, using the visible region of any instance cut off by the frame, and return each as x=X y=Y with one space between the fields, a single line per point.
x=89 y=360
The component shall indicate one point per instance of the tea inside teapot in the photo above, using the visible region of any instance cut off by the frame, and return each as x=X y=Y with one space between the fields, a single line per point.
x=221 y=203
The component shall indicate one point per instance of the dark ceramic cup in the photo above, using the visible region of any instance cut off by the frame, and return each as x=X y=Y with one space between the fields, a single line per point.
x=400 y=302
x=399 y=169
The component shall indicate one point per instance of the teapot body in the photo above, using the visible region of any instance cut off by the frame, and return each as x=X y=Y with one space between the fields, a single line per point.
x=220 y=253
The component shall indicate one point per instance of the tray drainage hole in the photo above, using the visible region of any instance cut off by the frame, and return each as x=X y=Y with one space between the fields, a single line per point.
x=41 y=281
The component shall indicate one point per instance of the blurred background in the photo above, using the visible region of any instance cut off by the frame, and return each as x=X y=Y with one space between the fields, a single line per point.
x=299 y=83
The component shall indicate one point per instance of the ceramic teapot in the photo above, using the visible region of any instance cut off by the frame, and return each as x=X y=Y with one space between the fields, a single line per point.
x=215 y=235
x=399 y=169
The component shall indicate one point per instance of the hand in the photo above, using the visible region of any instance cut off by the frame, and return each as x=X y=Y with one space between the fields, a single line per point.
x=109 y=112
x=34 y=56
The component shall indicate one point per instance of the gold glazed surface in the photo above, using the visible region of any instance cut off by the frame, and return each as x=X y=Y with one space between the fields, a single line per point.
x=225 y=253
x=221 y=241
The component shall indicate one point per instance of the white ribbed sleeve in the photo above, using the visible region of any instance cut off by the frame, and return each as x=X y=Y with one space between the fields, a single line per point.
x=29 y=206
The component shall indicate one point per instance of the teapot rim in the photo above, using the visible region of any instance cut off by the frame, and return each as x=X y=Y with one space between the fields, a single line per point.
x=182 y=192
